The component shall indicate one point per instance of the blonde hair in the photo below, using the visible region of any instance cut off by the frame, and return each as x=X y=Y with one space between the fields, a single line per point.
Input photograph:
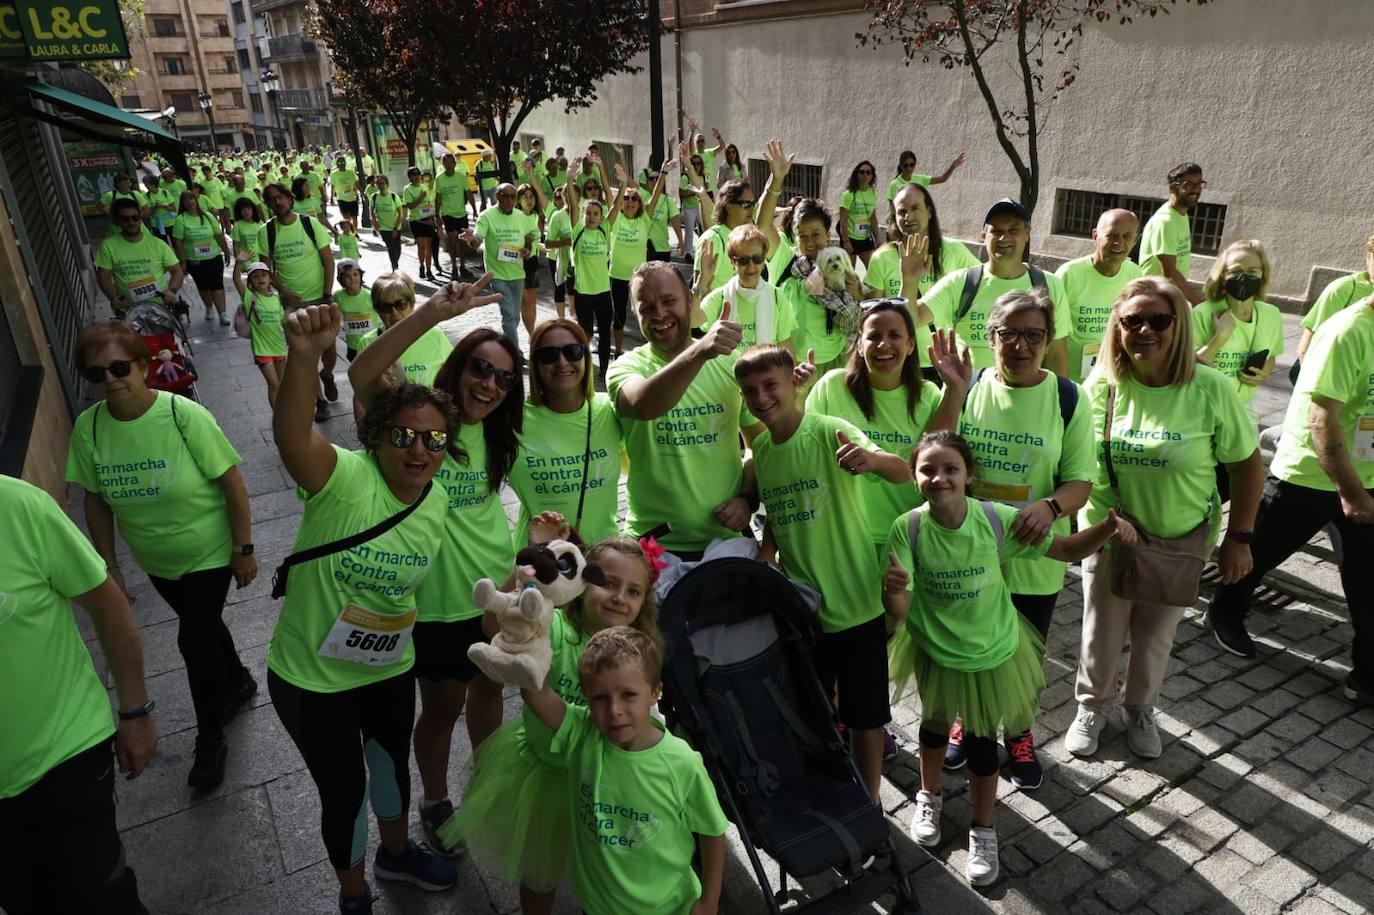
x=647 y=621
x=744 y=236
x=1214 y=289
x=397 y=282
x=1369 y=245
x=617 y=646
x=1180 y=361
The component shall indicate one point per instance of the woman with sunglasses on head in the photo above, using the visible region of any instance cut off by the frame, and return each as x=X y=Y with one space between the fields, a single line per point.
x=340 y=662
x=159 y=465
x=570 y=444
x=1046 y=475
x=630 y=224
x=483 y=378
x=859 y=213
x=1172 y=422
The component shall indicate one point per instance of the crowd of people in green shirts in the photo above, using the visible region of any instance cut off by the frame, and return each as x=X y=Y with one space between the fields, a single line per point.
x=927 y=446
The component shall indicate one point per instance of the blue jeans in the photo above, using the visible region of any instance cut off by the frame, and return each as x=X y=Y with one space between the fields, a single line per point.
x=511 y=292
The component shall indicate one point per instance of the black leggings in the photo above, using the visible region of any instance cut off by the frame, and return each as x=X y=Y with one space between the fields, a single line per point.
x=1038 y=609
x=981 y=751
x=67 y=857
x=335 y=733
x=392 y=237
x=594 y=309
x=620 y=302
x=213 y=668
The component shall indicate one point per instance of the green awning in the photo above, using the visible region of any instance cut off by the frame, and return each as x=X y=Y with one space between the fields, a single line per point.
x=112 y=119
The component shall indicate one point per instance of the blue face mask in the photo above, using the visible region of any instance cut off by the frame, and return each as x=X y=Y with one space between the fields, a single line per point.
x=1243 y=287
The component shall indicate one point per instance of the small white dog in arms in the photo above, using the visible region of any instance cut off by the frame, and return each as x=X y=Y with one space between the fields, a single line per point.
x=828 y=284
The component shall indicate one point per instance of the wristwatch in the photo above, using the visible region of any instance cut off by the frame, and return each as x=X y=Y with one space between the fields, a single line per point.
x=1241 y=536
x=1054 y=507
x=245 y=550
x=143 y=710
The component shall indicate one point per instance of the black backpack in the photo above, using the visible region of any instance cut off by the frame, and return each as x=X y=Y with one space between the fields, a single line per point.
x=974 y=277
x=306 y=224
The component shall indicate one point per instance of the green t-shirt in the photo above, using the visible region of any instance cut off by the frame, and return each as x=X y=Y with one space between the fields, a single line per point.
x=57 y=707
x=629 y=244
x=943 y=302
x=1338 y=294
x=421 y=361
x=1089 y=296
x=296 y=259
x=310 y=206
x=245 y=237
x=809 y=316
x=476 y=531
x=374 y=583
x=591 y=257
x=744 y=312
x=109 y=197
x=780 y=258
x=1166 y=232
x=860 y=205
x=884 y=277
x=157 y=474
x=386 y=210
x=1340 y=365
x=487 y=174
x=695 y=445
x=175 y=187
x=316 y=182
x=215 y=191
x=358 y=316
x=197 y=236
x=892 y=428
x=419 y=201
x=896 y=184
x=816 y=512
x=568 y=644
x=163 y=204
x=961 y=611
x=451 y=191
x=267 y=337
x=559 y=229
x=1166 y=443
x=369 y=165
x=687 y=199
x=139 y=268
x=1263 y=331
x=716 y=238
x=503 y=242
x=635 y=818
x=549 y=470
x=1024 y=452
x=663 y=213
x=345 y=184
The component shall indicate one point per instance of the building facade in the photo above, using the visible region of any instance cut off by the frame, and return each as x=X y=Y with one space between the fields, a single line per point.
x=299 y=99
x=1268 y=102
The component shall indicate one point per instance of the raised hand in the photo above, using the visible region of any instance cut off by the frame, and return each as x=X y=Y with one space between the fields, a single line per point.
x=454 y=299
x=850 y=456
x=913 y=252
x=621 y=176
x=692 y=125
x=805 y=372
x=958 y=161
x=723 y=336
x=954 y=367
x=709 y=260
x=313 y=329
x=778 y=161
x=895 y=578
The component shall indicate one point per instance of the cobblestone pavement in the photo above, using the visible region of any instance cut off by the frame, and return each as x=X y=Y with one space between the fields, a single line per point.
x=1260 y=803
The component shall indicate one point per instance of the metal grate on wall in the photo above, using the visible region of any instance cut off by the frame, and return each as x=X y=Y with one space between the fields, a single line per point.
x=1076 y=213
x=802 y=180
x=609 y=158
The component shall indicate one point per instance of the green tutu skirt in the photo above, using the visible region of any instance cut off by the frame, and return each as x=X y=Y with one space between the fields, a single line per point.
x=1005 y=697
x=514 y=816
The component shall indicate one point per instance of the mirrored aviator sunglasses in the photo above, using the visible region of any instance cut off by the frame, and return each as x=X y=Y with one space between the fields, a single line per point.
x=481 y=368
x=548 y=355
x=435 y=440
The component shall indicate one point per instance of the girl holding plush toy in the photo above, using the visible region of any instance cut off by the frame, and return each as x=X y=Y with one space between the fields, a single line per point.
x=514 y=815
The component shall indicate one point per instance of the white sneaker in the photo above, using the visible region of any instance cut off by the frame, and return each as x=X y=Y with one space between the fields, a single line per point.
x=1081 y=737
x=925 y=820
x=1142 y=734
x=982 y=867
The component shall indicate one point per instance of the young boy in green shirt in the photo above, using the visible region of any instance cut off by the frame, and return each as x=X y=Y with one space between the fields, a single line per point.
x=808 y=467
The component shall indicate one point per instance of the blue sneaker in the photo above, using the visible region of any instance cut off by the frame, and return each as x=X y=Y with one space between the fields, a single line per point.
x=356 y=905
x=415 y=866
x=955 y=755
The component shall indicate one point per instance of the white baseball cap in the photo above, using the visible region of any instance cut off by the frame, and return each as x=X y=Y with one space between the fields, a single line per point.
x=256 y=266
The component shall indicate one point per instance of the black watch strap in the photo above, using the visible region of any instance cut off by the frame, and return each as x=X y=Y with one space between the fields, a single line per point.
x=245 y=550
x=1054 y=504
x=140 y=712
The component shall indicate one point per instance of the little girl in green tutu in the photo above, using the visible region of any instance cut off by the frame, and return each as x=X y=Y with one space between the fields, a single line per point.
x=972 y=655
x=513 y=816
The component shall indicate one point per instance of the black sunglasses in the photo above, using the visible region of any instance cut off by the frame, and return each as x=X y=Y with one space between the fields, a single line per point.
x=435 y=440
x=95 y=374
x=396 y=305
x=745 y=204
x=743 y=259
x=548 y=355
x=483 y=369
x=1158 y=322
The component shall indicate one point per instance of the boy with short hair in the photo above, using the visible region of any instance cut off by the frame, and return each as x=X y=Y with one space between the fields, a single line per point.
x=807 y=466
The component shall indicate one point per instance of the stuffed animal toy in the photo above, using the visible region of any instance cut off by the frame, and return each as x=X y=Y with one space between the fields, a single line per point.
x=547 y=576
x=168 y=370
x=828 y=284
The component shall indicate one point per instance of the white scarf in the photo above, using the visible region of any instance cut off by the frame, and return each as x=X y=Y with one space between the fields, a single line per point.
x=765 y=306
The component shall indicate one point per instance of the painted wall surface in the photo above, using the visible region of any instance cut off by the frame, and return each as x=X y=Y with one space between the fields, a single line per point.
x=1265 y=94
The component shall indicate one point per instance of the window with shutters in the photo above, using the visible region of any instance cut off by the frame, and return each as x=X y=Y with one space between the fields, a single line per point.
x=802 y=180
x=606 y=149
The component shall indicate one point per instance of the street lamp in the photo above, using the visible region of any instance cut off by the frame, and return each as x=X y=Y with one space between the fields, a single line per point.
x=272 y=83
x=169 y=114
x=207 y=104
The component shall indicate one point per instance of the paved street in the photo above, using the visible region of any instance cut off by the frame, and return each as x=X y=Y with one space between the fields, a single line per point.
x=1261 y=802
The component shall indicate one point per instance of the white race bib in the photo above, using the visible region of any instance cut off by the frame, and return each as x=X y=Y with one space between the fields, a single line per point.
x=424 y=212
x=143 y=288
x=1090 y=351
x=861 y=230
x=1364 y=438
x=203 y=251
x=364 y=637
x=358 y=326
x=510 y=254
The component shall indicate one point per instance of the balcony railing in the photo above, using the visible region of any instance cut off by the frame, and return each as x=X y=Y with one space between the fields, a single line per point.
x=312 y=99
x=293 y=45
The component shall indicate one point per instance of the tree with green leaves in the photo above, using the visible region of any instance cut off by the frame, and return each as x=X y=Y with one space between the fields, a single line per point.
x=1038 y=39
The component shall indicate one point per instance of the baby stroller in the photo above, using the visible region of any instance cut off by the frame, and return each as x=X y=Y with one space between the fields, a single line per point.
x=740 y=683
x=161 y=330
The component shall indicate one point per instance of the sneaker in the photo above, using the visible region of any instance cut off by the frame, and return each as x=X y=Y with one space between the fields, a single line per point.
x=331 y=390
x=889 y=745
x=415 y=866
x=955 y=756
x=321 y=411
x=207 y=769
x=1356 y=691
x=209 y=312
x=223 y=320
x=431 y=818
x=1026 y=772
x=925 y=820
x=1142 y=734
x=356 y=905
x=1081 y=737
x=1231 y=635
x=981 y=867
x=239 y=699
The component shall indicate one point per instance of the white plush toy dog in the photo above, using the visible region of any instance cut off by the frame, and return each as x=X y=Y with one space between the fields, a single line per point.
x=828 y=284
x=547 y=576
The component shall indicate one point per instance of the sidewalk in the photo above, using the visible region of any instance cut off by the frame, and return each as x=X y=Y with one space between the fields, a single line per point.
x=1261 y=802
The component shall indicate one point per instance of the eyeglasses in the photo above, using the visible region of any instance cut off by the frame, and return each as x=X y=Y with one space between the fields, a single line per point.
x=435 y=440
x=745 y=259
x=1191 y=185
x=1158 y=322
x=548 y=355
x=745 y=204
x=481 y=368
x=894 y=300
x=1033 y=336
x=95 y=374
x=394 y=305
